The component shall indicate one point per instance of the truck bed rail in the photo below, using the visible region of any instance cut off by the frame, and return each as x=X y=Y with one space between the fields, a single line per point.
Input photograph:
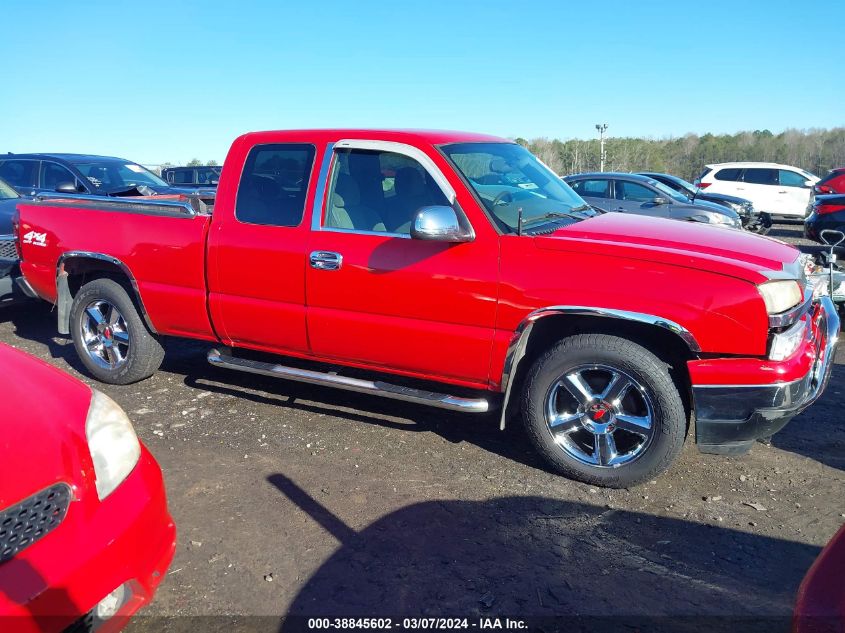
x=184 y=206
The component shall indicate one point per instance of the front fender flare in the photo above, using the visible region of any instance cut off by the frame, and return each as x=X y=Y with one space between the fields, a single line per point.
x=519 y=342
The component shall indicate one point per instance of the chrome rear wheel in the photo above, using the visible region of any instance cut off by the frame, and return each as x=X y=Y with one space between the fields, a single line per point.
x=105 y=334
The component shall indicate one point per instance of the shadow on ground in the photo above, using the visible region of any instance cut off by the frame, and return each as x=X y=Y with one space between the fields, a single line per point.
x=561 y=566
x=535 y=557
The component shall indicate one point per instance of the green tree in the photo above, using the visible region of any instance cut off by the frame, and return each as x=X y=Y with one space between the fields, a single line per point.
x=194 y=162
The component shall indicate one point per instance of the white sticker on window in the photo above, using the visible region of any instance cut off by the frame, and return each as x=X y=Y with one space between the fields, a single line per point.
x=136 y=168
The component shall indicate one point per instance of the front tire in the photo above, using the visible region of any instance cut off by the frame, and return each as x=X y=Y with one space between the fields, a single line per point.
x=604 y=410
x=110 y=337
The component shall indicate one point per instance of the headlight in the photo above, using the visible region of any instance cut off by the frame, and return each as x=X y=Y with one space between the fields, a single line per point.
x=112 y=441
x=780 y=296
x=739 y=208
x=785 y=343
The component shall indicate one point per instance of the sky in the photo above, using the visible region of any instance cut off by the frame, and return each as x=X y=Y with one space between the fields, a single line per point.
x=174 y=80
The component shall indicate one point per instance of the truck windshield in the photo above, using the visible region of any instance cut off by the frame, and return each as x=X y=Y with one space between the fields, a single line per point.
x=113 y=175
x=507 y=178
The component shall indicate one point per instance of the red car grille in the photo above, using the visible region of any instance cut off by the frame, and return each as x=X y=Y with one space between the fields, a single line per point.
x=24 y=523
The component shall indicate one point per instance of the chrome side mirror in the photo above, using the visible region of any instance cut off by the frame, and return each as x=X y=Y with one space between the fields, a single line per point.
x=440 y=224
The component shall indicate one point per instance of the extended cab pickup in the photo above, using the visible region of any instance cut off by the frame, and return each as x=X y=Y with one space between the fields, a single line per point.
x=453 y=270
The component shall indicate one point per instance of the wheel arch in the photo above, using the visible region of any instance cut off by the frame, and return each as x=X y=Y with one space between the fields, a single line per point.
x=75 y=268
x=667 y=339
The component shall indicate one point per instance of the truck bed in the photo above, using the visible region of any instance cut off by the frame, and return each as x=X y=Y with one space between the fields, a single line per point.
x=159 y=243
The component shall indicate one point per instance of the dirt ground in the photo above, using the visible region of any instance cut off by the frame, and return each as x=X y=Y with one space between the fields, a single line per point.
x=298 y=500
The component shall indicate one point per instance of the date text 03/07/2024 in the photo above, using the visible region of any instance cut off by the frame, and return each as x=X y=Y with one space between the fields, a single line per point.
x=485 y=623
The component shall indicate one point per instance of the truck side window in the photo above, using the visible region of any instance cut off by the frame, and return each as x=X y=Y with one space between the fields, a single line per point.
x=274 y=183
x=378 y=191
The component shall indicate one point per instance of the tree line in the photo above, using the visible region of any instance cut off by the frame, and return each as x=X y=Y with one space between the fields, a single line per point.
x=816 y=151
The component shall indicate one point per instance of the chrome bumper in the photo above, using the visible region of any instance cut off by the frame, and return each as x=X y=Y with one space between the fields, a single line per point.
x=729 y=418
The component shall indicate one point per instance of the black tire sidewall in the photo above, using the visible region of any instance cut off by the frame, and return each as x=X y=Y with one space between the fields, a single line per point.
x=669 y=413
x=141 y=342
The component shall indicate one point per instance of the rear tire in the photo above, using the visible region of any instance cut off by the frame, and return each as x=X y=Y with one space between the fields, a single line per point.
x=604 y=410
x=109 y=335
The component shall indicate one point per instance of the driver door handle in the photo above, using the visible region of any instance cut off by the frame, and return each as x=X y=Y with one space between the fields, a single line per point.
x=325 y=260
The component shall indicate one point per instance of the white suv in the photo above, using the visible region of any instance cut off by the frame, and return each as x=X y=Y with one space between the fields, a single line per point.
x=775 y=189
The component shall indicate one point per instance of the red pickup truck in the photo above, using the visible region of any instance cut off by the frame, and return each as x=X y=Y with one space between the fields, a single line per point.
x=453 y=270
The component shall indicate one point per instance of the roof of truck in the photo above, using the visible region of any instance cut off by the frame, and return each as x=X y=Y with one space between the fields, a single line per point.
x=434 y=137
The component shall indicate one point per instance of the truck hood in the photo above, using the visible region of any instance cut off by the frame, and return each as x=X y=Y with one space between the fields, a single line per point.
x=721 y=250
x=42 y=429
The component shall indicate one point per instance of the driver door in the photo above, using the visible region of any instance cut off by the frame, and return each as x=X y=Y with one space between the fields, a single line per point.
x=375 y=295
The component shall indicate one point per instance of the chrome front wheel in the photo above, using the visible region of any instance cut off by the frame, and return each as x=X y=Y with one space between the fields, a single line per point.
x=105 y=335
x=600 y=415
x=604 y=410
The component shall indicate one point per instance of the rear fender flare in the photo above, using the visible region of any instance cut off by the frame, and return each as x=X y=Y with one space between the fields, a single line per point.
x=65 y=298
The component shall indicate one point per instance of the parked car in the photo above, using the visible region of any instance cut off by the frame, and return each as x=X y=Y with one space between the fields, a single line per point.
x=827 y=212
x=834 y=182
x=751 y=219
x=195 y=177
x=85 y=534
x=775 y=189
x=474 y=278
x=9 y=271
x=34 y=174
x=643 y=195
x=820 y=605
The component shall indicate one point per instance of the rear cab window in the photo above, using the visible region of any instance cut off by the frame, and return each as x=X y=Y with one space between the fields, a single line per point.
x=274 y=183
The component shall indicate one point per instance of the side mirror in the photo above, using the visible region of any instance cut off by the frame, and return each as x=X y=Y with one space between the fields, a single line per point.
x=658 y=201
x=808 y=184
x=440 y=224
x=66 y=187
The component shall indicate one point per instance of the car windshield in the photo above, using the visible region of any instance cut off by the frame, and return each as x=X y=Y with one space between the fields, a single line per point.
x=674 y=195
x=686 y=187
x=509 y=180
x=6 y=192
x=114 y=175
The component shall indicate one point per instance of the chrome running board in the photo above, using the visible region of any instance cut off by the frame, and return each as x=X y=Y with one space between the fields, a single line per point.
x=376 y=388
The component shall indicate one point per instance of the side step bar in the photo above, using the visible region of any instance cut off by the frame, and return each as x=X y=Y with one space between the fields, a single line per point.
x=377 y=388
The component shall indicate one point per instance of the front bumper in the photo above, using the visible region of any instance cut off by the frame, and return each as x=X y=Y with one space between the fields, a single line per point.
x=757 y=223
x=126 y=540
x=730 y=417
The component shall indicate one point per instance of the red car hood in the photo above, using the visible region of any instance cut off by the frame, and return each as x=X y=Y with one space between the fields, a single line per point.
x=726 y=251
x=42 y=429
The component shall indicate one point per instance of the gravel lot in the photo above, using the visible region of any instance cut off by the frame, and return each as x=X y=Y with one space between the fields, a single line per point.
x=292 y=499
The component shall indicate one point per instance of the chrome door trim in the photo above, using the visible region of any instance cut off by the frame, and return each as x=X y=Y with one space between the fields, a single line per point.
x=410 y=151
x=322 y=185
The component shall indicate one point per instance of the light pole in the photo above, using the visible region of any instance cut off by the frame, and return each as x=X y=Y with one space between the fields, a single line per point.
x=602 y=128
